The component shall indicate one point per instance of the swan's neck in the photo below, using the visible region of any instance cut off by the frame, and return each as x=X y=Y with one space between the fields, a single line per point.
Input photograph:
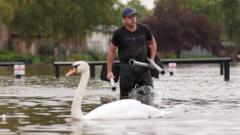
x=76 y=110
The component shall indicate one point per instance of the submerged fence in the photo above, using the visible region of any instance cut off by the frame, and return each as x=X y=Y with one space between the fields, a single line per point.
x=224 y=63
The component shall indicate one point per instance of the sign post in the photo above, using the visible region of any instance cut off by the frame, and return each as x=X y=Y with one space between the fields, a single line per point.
x=19 y=71
x=172 y=68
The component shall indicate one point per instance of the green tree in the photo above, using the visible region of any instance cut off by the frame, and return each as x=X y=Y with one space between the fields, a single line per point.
x=176 y=29
x=211 y=8
x=231 y=14
x=6 y=13
x=60 y=20
x=225 y=12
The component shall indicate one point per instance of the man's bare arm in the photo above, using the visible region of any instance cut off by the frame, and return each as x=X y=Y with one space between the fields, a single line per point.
x=110 y=58
x=153 y=48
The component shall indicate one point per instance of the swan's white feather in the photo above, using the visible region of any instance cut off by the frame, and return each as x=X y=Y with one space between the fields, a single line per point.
x=124 y=109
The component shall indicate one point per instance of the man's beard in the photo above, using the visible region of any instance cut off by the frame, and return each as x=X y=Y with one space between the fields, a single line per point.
x=131 y=25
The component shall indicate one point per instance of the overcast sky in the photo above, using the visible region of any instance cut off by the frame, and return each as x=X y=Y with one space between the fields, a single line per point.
x=147 y=3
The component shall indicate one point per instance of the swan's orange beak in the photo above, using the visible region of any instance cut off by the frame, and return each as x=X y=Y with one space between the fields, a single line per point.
x=72 y=71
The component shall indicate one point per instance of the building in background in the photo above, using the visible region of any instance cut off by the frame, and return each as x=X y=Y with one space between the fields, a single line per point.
x=4 y=36
x=98 y=40
x=95 y=40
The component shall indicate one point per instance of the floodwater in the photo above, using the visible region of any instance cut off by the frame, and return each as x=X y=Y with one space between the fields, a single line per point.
x=200 y=102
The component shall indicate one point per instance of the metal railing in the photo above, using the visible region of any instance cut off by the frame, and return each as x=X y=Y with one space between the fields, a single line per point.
x=222 y=61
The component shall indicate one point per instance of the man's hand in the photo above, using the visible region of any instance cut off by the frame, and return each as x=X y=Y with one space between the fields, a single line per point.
x=110 y=75
x=153 y=59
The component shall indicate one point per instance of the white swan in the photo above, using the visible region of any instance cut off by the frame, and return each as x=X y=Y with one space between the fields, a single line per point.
x=122 y=109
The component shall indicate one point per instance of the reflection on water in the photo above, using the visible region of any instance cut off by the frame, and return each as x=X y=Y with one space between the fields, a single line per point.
x=199 y=99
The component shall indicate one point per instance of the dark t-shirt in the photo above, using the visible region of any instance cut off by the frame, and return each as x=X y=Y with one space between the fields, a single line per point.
x=132 y=44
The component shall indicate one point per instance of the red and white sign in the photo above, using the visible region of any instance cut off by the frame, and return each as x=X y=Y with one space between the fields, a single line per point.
x=19 y=69
x=172 y=65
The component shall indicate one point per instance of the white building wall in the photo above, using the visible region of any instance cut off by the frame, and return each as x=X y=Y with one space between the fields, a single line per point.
x=197 y=51
x=98 y=41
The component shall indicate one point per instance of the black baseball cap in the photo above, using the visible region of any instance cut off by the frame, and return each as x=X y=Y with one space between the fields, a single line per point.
x=129 y=12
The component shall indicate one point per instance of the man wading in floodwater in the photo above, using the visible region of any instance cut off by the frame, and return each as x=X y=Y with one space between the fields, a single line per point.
x=133 y=41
